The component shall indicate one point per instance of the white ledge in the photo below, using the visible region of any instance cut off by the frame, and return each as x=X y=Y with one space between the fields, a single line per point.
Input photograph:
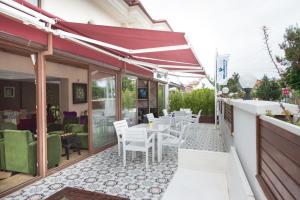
x=284 y=125
x=258 y=107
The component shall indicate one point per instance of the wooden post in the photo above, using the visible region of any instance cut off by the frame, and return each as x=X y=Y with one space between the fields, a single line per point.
x=90 y=112
x=41 y=115
x=119 y=96
x=40 y=68
x=149 y=96
x=157 y=106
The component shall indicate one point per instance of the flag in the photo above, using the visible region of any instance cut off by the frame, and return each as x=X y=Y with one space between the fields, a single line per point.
x=222 y=68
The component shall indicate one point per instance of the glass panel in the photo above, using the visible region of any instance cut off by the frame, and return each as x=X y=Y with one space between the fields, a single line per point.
x=129 y=99
x=33 y=2
x=153 y=99
x=161 y=99
x=18 y=137
x=67 y=120
x=104 y=109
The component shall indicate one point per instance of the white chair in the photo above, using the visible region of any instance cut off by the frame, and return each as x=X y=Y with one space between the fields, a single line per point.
x=136 y=139
x=196 y=120
x=179 y=122
x=150 y=117
x=120 y=126
x=187 y=110
x=174 y=141
x=163 y=120
x=165 y=112
x=179 y=113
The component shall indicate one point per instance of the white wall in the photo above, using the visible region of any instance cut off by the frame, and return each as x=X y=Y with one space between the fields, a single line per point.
x=79 y=11
x=244 y=140
x=70 y=75
x=102 y=12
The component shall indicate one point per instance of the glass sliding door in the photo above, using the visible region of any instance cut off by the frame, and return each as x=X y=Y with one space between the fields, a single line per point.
x=129 y=99
x=161 y=98
x=104 y=109
x=18 y=135
x=67 y=117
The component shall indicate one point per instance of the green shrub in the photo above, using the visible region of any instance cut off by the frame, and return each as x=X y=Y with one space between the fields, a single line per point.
x=203 y=99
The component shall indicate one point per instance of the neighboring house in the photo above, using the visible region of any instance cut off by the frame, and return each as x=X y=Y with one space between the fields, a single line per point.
x=123 y=13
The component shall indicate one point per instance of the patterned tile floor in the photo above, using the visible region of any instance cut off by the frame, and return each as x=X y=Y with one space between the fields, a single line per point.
x=104 y=172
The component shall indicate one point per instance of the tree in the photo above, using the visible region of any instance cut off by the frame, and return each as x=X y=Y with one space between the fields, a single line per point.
x=268 y=90
x=233 y=83
x=290 y=77
x=291 y=48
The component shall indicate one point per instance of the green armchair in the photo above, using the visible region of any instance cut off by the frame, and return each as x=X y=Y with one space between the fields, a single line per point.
x=2 y=154
x=4 y=126
x=20 y=151
x=82 y=132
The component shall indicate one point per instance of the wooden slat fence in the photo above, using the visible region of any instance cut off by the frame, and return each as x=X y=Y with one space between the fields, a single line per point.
x=278 y=161
x=228 y=116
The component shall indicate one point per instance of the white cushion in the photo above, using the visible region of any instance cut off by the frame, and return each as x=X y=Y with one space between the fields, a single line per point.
x=194 y=185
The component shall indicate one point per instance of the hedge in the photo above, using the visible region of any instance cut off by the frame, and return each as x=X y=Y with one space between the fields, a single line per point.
x=203 y=99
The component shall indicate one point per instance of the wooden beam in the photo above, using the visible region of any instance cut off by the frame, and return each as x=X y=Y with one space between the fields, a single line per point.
x=41 y=115
x=90 y=112
x=40 y=69
x=118 y=96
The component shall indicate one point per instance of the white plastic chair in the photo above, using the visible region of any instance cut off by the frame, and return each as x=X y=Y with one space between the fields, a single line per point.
x=163 y=120
x=120 y=126
x=174 y=141
x=165 y=112
x=179 y=122
x=196 y=120
x=150 y=117
x=179 y=113
x=136 y=139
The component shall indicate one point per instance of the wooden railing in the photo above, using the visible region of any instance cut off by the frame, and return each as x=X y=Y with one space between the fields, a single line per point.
x=228 y=116
x=278 y=161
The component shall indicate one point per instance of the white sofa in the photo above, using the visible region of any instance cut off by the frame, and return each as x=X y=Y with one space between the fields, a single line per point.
x=207 y=175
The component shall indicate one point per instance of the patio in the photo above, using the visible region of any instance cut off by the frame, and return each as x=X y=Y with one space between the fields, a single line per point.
x=104 y=172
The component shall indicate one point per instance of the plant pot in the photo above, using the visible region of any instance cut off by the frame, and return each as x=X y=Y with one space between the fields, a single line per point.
x=207 y=119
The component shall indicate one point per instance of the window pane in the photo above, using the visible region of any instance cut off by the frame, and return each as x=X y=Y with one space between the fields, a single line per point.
x=33 y=2
x=104 y=110
x=129 y=99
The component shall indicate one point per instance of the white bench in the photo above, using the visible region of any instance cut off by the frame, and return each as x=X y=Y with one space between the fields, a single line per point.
x=208 y=175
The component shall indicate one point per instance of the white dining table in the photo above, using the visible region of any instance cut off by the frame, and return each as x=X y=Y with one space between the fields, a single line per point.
x=155 y=129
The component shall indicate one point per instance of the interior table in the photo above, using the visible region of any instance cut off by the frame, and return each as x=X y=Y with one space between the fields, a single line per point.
x=155 y=129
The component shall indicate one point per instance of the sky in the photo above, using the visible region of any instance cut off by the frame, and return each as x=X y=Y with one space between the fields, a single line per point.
x=230 y=27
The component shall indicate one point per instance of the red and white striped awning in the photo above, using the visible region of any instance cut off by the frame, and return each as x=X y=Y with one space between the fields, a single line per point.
x=161 y=50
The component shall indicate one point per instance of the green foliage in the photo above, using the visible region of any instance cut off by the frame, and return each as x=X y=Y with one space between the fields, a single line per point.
x=161 y=99
x=128 y=93
x=292 y=77
x=128 y=99
x=268 y=90
x=97 y=92
x=291 y=48
x=203 y=99
x=233 y=83
x=128 y=84
x=176 y=100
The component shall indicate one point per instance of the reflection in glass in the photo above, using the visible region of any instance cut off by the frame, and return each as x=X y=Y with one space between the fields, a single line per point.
x=104 y=110
x=129 y=99
x=161 y=99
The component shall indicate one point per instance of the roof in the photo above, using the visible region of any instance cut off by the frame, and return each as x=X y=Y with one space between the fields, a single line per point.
x=148 y=48
x=139 y=3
